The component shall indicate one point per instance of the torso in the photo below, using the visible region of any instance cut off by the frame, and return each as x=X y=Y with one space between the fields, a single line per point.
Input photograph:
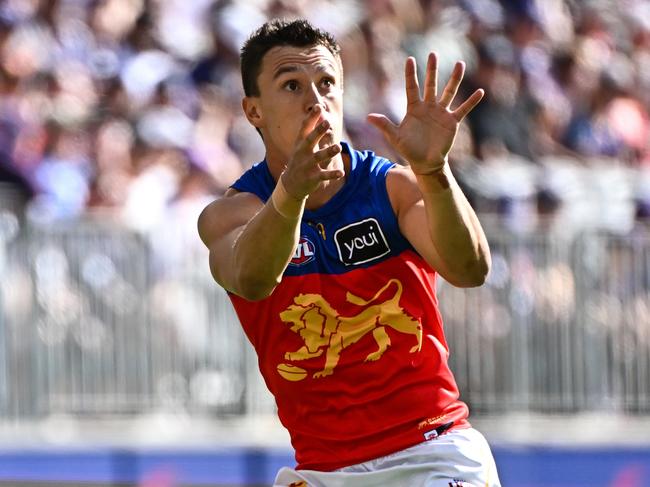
x=351 y=342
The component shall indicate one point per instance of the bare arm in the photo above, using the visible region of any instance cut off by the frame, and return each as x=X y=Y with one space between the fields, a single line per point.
x=251 y=243
x=232 y=228
x=426 y=195
x=455 y=245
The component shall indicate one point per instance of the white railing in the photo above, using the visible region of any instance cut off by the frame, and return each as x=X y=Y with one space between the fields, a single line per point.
x=97 y=320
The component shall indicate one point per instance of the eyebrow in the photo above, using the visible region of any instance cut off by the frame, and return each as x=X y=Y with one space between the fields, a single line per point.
x=284 y=69
x=293 y=69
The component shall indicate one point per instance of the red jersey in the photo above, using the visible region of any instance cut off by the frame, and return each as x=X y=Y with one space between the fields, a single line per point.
x=351 y=342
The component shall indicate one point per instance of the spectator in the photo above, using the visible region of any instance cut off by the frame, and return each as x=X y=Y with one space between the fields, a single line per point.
x=563 y=80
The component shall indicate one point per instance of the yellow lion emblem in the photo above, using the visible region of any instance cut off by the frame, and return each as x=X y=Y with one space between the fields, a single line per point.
x=324 y=330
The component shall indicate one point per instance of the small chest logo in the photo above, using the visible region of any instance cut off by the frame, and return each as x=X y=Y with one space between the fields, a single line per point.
x=361 y=242
x=305 y=252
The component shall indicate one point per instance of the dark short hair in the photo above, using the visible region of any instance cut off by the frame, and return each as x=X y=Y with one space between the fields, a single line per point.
x=297 y=33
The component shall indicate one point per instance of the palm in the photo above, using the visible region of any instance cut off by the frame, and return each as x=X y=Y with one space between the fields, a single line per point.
x=427 y=132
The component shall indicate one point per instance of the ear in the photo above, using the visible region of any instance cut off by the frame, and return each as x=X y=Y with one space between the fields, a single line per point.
x=252 y=110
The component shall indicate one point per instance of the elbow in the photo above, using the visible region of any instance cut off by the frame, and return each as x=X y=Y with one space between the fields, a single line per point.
x=252 y=288
x=478 y=269
x=478 y=273
x=475 y=274
x=476 y=279
x=253 y=294
x=244 y=284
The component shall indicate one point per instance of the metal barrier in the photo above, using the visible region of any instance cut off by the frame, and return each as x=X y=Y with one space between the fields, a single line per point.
x=97 y=320
x=561 y=326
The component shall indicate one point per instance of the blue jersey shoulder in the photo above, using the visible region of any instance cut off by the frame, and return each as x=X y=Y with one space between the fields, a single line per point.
x=356 y=228
x=256 y=180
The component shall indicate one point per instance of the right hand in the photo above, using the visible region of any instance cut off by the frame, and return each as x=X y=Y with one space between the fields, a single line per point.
x=307 y=167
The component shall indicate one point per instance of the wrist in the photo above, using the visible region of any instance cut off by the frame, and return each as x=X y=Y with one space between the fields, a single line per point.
x=428 y=168
x=435 y=181
x=284 y=203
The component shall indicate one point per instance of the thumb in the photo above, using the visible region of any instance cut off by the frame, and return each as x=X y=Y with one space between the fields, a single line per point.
x=385 y=126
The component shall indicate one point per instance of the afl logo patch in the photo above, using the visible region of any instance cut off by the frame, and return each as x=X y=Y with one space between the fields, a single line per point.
x=361 y=242
x=305 y=252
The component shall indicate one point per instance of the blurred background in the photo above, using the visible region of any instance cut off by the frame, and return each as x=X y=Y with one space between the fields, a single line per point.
x=121 y=361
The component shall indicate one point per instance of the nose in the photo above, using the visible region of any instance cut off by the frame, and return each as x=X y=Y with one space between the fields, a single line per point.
x=314 y=98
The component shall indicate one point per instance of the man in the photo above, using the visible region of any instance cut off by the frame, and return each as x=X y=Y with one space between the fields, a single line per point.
x=329 y=256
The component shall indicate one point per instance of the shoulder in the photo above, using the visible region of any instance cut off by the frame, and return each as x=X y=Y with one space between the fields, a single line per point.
x=374 y=164
x=368 y=172
x=364 y=161
x=402 y=187
x=400 y=175
x=256 y=180
x=396 y=181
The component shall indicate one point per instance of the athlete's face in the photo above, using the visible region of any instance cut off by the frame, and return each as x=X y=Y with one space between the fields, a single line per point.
x=292 y=82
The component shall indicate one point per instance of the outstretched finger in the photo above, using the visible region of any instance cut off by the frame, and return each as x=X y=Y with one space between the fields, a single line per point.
x=327 y=153
x=331 y=174
x=412 y=86
x=468 y=105
x=309 y=122
x=451 y=88
x=314 y=136
x=385 y=126
x=431 y=79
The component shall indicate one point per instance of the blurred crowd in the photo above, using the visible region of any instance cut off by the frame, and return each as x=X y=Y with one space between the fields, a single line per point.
x=131 y=108
x=130 y=111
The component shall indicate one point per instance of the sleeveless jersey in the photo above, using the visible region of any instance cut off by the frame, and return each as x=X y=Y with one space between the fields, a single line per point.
x=351 y=343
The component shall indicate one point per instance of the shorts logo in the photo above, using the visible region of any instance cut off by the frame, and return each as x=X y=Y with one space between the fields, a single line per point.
x=361 y=242
x=305 y=252
x=431 y=435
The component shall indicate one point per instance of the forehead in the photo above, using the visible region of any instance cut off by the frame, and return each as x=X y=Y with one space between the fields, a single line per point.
x=314 y=57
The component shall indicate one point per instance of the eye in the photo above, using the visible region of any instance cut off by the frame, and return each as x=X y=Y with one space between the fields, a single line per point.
x=328 y=82
x=291 y=85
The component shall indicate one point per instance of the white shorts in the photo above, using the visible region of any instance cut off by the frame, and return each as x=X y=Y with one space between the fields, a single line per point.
x=460 y=458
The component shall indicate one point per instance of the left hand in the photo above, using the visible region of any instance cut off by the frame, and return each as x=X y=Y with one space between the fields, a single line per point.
x=427 y=132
